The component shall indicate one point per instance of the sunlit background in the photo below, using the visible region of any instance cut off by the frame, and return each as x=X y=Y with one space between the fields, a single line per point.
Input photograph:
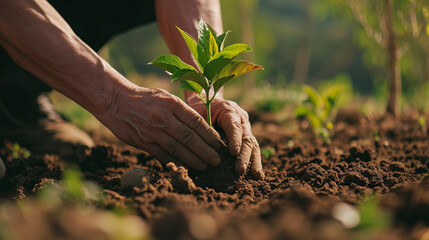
x=317 y=42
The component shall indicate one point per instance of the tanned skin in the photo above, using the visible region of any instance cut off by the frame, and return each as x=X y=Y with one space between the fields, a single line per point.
x=40 y=41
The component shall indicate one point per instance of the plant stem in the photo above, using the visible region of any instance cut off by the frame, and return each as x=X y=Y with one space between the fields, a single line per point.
x=208 y=108
x=209 y=114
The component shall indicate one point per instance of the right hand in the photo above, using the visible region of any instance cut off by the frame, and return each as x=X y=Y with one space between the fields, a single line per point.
x=164 y=126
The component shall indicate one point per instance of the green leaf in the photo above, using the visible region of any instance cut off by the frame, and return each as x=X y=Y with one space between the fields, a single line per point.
x=222 y=81
x=221 y=39
x=235 y=49
x=223 y=58
x=190 y=41
x=203 y=35
x=310 y=115
x=191 y=86
x=233 y=70
x=330 y=97
x=207 y=39
x=203 y=58
x=212 y=48
x=302 y=111
x=190 y=75
x=171 y=63
x=314 y=121
x=313 y=96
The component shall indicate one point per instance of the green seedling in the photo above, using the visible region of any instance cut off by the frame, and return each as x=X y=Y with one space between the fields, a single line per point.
x=372 y=216
x=267 y=152
x=72 y=188
x=20 y=152
x=216 y=64
x=422 y=124
x=376 y=135
x=318 y=110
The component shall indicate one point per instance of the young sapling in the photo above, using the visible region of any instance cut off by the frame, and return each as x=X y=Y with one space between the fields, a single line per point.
x=267 y=152
x=217 y=65
x=318 y=110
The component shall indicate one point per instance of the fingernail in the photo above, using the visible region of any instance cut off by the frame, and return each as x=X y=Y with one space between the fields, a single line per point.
x=242 y=169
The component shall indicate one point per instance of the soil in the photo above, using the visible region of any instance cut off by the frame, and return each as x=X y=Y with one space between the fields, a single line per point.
x=305 y=179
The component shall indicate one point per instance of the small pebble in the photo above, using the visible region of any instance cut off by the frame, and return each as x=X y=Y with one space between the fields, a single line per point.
x=134 y=177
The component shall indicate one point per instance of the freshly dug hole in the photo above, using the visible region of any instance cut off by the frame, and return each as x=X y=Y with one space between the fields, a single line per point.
x=222 y=178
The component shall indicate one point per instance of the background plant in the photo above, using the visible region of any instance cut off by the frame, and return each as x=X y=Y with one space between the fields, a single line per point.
x=318 y=109
x=216 y=64
x=20 y=152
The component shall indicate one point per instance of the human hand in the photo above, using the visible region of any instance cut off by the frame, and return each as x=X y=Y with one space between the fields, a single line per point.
x=235 y=123
x=164 y=126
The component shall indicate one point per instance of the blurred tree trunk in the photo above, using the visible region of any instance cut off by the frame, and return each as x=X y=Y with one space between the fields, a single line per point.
x=394 y=71
x=303 y=55
x=245 y=12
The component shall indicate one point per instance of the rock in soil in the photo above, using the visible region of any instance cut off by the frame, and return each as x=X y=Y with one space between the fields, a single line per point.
x=136 y=177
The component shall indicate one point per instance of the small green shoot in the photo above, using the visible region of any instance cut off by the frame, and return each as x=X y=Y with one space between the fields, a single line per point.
x=422 y=124
x=426 y=175
x=216 y=64
x=318 y=109
x=73 y=188
x=267 y=152
x=20 y=152
x=372 y=216
x=376 y=135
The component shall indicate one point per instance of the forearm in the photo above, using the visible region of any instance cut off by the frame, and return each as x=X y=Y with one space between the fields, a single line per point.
x=40 y=41
x=186 y=15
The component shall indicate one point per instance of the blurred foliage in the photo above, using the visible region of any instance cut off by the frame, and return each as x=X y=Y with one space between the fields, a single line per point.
x=73 y=188
x=20 y=152
x=278 y=25
x=318 y=109
x=339 y=47
x=267 y=152
x=372 y=216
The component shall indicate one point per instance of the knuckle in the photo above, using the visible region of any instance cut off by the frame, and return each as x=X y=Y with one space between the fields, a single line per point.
x=248 y=141
x=186 y=135
x=236 y=124
x=161 y=156
x=245 y=115
x=195 y=122
x=173 y=147
x=256 y=146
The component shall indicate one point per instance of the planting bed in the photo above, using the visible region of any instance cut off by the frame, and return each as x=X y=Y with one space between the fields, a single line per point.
x=305 y=181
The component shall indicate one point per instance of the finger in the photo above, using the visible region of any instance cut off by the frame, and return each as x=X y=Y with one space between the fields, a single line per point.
x=231 y=124
x=176 y=149
x=256 y=162
x=243 y=159
x=193 y=142
x=162 y=156
x=194 y=121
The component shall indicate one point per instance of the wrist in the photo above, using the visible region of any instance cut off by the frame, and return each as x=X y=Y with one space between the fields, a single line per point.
x=115 y=91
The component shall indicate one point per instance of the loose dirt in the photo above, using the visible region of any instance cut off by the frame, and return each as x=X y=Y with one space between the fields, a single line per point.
x=305 y=179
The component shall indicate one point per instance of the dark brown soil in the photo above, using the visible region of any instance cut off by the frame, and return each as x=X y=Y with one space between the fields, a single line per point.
x=305 y=179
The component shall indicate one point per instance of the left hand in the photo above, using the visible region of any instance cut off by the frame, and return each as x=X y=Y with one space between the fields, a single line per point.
x=235 y=123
